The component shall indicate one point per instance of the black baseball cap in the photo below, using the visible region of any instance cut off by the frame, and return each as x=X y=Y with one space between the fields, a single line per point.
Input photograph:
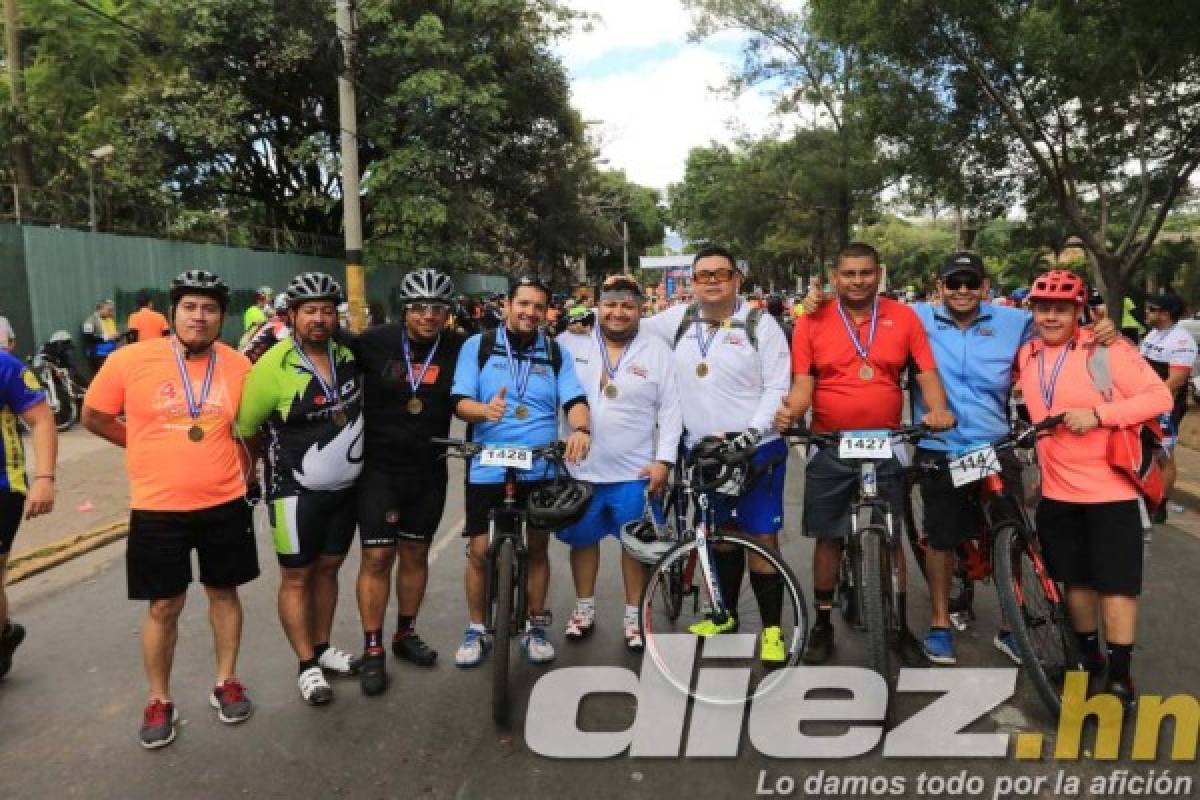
x=963 y=261
x=1170 y=303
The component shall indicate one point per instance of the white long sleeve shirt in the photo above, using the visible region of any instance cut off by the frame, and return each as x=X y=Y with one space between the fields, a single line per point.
x=743 y=388
x=623 y=427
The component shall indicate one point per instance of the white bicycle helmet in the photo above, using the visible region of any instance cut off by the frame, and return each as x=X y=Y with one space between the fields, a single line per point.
x=202 y=282
x=308 y=286
x=427 y=285
x=646 y=539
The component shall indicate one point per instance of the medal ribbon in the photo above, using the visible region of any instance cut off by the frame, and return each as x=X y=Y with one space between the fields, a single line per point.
x=611 y=370
x=1048 y=391
x=521 y=370
x=194 y=406
x=424 y=367
x=706 y=344
x=331 y=393
x=862 y=350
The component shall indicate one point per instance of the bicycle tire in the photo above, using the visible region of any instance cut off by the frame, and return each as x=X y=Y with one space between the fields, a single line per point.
x=850 y=581
x=672 y=589
x=654 y=622
x=502 y=621
x=1040 y=623
x=914 y=519
x=874 y=541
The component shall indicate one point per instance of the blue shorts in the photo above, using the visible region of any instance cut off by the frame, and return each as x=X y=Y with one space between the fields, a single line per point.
x=613 y=504
x=759 y=509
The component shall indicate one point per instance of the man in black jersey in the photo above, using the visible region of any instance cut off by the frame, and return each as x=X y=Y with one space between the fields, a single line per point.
x=408 y=369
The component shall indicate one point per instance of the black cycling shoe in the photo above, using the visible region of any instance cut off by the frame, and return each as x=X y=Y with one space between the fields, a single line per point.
x=410 y=647
x=10 y=638
x=373 y=675
x=1123 y=689
x=819 y=646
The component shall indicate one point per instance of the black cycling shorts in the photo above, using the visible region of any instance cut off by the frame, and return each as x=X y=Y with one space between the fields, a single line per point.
x=831 y=484
x=1093 y=545
x=953 y=514
x=158 y=557
x=395 y=508
x=12 y=507
x=312 y=524
x=482 y=497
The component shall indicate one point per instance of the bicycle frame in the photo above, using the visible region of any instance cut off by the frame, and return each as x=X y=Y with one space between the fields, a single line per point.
x=507 y=522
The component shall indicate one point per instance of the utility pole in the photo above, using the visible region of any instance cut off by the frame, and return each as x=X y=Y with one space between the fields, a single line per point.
x=356 y=290
x=22 y=155
x=625 y=246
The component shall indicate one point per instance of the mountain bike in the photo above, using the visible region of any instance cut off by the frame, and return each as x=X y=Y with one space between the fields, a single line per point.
x=505 y=603
x=1033 y=605
x=684 y=586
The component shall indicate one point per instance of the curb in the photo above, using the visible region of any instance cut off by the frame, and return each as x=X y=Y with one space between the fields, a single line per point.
x=1186 y=493
x=26 y=565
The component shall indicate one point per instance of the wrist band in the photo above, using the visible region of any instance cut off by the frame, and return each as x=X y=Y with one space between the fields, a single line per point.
x=588 y=431
x=51 y=476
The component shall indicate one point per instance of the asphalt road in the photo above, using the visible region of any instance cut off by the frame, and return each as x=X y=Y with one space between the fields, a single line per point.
x=70 y=709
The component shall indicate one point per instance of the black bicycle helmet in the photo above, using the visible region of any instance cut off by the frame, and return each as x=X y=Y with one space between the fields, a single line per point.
x=202 y=282
x=309 y=286
x=558 y=504
x=715 y=466
x=427 y=285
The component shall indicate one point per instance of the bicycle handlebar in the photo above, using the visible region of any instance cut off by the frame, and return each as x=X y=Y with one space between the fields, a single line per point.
x=908 y=433
x=465 y=449
x=1010 y=441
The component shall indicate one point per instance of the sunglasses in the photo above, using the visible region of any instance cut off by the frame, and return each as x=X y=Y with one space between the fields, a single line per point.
x=713 y=276
x=956 y=282
x=1152 y=309
x=428 y=308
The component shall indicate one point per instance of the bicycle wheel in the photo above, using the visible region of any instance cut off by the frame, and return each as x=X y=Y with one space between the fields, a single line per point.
x=1035 y=609
x=657 y=622
x=850 y=581
x=672 y=590
x=914 y=525
x=502 y=621
x=876 y=569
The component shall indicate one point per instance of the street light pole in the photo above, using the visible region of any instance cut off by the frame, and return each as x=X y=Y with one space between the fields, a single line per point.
x=625 y=246
x=99 y=154
x=351 y=210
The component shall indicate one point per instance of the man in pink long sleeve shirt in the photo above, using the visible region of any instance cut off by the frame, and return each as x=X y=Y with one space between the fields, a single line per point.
x=1090 y=519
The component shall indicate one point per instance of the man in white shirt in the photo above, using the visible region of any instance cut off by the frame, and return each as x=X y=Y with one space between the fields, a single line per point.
x=731 y=362
x=632 y=391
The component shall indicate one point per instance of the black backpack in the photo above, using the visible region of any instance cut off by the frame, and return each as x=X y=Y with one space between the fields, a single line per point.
x=488 y=348
x=692 y=315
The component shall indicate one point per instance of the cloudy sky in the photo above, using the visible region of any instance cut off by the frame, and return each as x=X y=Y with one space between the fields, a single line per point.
x=651 y=91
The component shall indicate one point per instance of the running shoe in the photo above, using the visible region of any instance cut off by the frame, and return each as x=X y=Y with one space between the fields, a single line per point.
x=158 y=725
x=581 y=623
x=633 y=635
x=771 y=650
x=535 y=647
x=10 y=640
x=706 y=627
x=315 y=690
x=339 y=662
x=231 y=702
x=939 y=646
x=474 y=647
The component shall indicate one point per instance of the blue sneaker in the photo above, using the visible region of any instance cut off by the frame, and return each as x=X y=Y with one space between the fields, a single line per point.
x=535 y=647
x=1006 y=643
x=474 y=647
x=939 y=646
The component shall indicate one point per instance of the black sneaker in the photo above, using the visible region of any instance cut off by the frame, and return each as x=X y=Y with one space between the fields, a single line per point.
x=373 y=674
x=158 y=725
x=410 y=647
x=1123 y=689
x=10 y=640
x=231 y=702
x=819 y=646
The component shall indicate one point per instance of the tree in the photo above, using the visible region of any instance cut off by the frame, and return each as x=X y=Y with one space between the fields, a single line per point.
x=1096 y=103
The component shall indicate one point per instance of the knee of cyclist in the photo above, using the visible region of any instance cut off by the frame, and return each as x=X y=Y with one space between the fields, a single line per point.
x=166 y=610
x=477 y=554
x=376 y=562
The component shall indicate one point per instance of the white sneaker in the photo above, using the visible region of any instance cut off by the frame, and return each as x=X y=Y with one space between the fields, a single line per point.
x=313 y=687
x=474 y=645
x=339 y=662
x=535 y=646
x=633 y=635
x=581 y=624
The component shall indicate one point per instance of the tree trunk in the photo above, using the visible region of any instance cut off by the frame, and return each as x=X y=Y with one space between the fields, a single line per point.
x=22 y=153
x=1110 y=280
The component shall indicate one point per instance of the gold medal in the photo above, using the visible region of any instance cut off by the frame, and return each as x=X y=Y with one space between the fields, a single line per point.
x=611 y=391
x=196 y=433
x=339 y=418
x=415 y=406
x=701 y=369
x=866 y=372
x=521 y=412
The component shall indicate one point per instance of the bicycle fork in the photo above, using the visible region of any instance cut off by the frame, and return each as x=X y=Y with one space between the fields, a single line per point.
x=704 y=552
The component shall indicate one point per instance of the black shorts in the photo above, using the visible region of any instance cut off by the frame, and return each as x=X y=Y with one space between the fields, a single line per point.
x=1093 y=545
x=158 y=559
x=953 y=514
x=395 y=508
x=12 y=507
x=830 y=485
x=312 y=524
x=482 y=497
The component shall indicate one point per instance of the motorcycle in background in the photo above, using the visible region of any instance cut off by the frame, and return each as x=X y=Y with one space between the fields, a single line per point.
x=54 y=370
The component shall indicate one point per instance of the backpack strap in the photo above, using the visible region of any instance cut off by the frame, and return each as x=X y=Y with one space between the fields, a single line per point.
x=752 y=326
x=487 y=346
x=692 y=315
x=689 y=319
x=1098 y=368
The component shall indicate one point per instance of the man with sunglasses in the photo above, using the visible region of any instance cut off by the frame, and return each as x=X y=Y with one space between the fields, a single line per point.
x=632 y=393
x=1171 y=351
x=731 y=363
x=408 y=370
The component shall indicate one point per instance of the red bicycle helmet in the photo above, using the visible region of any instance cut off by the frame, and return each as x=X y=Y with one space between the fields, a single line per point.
x=1059 y=284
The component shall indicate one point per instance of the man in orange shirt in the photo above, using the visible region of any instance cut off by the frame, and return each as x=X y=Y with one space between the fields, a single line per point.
x=179 y=396
x=847 y=357
x=146 y=323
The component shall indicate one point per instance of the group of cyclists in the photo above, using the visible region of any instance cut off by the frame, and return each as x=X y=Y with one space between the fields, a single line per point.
x=345 y=426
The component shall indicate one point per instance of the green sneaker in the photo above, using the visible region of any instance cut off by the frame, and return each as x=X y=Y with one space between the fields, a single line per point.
x=706 y=627
x=771 y=650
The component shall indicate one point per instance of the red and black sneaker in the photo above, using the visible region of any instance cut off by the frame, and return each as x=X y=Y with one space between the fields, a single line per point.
x=231 y=702
x=158 y=725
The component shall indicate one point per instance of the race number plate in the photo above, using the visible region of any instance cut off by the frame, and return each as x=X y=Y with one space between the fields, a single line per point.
x=974 y=465
x=506 y=456
x=875 y=445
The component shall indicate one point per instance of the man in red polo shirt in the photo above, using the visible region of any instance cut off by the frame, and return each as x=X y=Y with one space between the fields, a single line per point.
x=847 y=357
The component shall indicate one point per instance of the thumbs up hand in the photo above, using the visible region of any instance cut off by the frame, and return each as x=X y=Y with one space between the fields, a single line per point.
x=496 y=407
x=815 y=296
